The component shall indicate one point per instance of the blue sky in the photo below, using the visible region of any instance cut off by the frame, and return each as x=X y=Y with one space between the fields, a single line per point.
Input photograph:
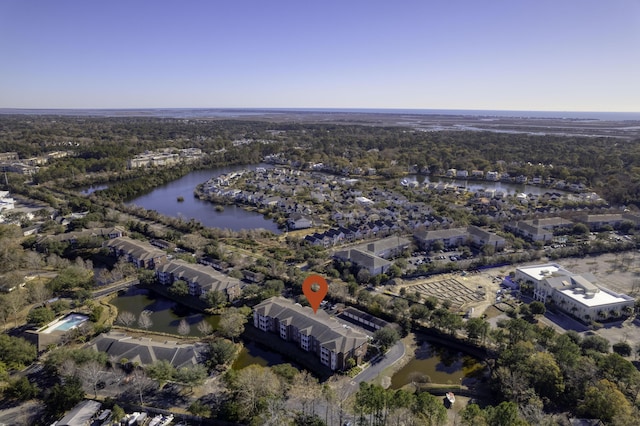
x=554 y=55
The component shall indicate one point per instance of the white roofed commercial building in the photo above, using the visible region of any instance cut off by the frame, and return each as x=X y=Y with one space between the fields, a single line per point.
x=578 y=295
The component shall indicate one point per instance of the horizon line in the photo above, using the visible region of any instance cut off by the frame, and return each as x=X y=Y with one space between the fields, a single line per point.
x=294 y=108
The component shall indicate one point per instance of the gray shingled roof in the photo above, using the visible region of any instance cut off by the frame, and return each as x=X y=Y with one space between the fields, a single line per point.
x=362 y=258
x=146 y=351
x=327 y=331
x=441 y=234
x=138 y=249
x=207 y=277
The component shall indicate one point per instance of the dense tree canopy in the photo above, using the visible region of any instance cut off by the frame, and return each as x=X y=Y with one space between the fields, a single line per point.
x=15 y=351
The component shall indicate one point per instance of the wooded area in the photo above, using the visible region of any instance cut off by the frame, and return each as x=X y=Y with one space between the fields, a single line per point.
x=535 y=374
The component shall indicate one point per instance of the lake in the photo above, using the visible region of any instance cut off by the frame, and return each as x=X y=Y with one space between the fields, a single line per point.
x=164 y=200
x=165 y=313
x=436 y=363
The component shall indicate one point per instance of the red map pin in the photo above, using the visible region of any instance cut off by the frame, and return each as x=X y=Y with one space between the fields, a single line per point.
x=315 y=288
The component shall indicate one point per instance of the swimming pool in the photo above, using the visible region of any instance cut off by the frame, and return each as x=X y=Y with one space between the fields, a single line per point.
x=67 y=323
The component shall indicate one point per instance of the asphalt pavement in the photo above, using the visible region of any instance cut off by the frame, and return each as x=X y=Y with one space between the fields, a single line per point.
x=392 y=356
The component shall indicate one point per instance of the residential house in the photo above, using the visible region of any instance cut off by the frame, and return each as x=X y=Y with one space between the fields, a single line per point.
x=8 y=156
x=252 y=277
x=162 y=244
x=312 y=332
x=335 y=236
x=387 y=247
x=299 y=221
x=93 y=234
x=492 y=176
x=18 y=167
x=529 y=231
x=540 y=229
x=217 y=264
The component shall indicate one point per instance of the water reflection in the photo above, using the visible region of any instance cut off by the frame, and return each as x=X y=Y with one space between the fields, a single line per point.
x=255 y=353
x=165 y=314
x=476 y=185
x=438 y=364
x=164 y=200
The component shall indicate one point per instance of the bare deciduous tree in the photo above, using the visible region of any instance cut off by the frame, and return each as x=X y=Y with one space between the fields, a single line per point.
x=57 y=262
x=33 y=260
x=15 y=301
x=122 y=269
x=305 y=390
x=144 y=320
x=140 y=383
x=38 y=292
x=126 y=318
x=67 y=368
x=255 y=385
x=184 y=328
x=205 y=328
x=91 y=373
x=232 y=323
x=105 y=276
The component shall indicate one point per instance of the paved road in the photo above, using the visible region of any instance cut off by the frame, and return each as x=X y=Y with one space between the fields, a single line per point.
x=332 y=413
x=391 y=357
x=121 y=285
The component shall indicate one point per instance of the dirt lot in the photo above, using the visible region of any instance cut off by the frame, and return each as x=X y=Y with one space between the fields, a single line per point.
x=463 y=291
x=619 y=272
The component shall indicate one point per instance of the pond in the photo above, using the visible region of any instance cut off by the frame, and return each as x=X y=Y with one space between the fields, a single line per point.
x=255 y=353
x=476 y=185
x=435 y=363
x=165 y=314
x=88 y=190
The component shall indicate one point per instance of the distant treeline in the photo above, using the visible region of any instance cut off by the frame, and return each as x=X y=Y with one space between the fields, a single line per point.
x=610 y=166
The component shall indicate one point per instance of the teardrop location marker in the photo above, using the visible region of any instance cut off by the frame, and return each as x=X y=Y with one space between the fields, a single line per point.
x=315 y=289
